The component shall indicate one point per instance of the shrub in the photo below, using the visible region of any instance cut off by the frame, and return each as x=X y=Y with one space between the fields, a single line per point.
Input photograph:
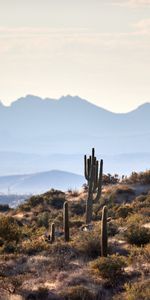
x=142 y=177
x=34 y=246
x=9 y=247
x=138 y=291
x=77 y=293
x=111 y=267
x=88 y=244
x=35 y=200
x=123 y=211
x=137 y=235
x=9 y=229
x=112 y=229
x=4 y=207
x=140 y=198
x=43 y=220
x=134 y=219
x=78 y=208
x=57 y=202
x=74 y=193
x=110 y=179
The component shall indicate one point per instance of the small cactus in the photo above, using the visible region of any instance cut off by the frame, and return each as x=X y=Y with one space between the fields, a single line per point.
x=52 y=233
x=104 y=237
x=66 y=221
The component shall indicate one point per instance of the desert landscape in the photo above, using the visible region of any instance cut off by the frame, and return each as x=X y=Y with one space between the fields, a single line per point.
x=60 y=245
x=75 y=150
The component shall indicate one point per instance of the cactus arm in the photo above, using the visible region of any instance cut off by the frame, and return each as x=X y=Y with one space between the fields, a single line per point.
x=96 y=177
x=88 y=167
x=100 y=181
x=85 y=168
x=93 y=153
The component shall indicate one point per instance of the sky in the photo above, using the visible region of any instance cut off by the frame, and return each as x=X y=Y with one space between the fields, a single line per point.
x=96 y=49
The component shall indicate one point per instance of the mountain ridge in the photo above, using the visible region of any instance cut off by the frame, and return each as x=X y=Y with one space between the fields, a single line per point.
x=68 y=98
x=72 y=125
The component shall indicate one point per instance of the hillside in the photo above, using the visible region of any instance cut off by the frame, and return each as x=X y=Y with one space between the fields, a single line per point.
x=40 y=182
x=32 y=267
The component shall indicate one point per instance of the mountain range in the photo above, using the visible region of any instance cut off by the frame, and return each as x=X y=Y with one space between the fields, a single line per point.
x=38 y=135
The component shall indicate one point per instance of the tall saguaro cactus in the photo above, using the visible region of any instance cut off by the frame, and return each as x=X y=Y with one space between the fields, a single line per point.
x=104 y=238
x=66 y=221
x=93 y=170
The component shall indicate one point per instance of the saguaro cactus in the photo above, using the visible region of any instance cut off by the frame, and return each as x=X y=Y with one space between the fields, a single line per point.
x=104 y=238
x=52 y=233
x=93 y=171
x=66 y=221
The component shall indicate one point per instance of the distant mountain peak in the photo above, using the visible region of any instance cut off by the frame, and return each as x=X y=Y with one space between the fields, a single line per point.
x=71 y=98
x=27 y=99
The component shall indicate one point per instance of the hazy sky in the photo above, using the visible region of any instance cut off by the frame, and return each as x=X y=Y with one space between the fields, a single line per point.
x=97 y=49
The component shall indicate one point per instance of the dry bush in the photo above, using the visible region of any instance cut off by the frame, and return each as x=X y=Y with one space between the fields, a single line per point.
x=140 y=178
x=88 y=244
x=137 y=235
x=140 y=257
x=110 y=268
x=142 y=205
x=74 y=193
x=137 y=291
x=32 y=247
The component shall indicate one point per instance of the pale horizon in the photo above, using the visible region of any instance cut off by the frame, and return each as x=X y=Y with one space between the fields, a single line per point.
x=98 y=50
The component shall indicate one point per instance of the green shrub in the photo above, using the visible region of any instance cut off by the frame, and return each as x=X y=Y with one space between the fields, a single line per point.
x=9 y=229
x=111 y=267
x=43 y=220
x=123 y=211
x=57 y=202
x=137 y=235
